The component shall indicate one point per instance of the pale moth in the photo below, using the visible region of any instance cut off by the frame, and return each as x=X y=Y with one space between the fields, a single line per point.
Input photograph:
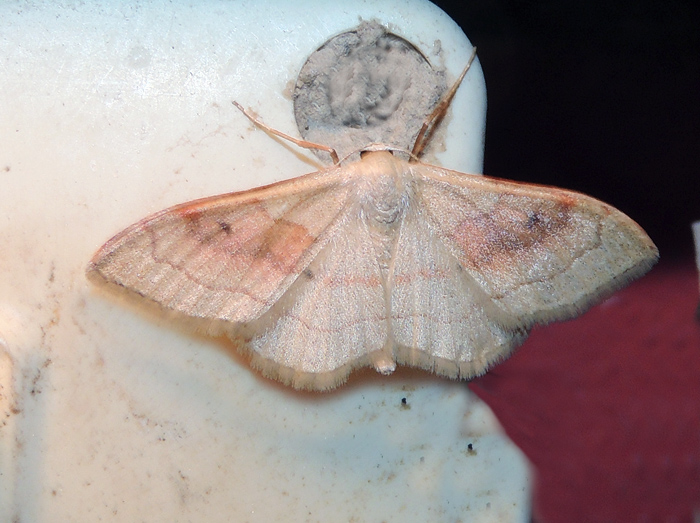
x=378 y=262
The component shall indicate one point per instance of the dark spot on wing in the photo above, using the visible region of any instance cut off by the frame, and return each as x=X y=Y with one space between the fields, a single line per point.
x=533 y=219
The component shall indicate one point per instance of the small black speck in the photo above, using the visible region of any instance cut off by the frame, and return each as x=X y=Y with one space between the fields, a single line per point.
x=470 y=447
x=225 y=227
x=308 y=273
x=403 y=401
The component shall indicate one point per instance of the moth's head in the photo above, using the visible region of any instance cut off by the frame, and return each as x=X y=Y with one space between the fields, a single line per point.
x=400 y=152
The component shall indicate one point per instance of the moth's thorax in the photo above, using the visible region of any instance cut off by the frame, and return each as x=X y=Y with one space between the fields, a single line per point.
x=380 y=178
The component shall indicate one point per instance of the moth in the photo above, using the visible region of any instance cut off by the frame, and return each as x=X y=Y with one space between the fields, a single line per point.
x=378 y=262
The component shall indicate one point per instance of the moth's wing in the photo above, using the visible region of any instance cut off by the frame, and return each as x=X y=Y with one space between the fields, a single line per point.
x=226 y=258
x=442 y=320
x=331 y=320
x=540 y=253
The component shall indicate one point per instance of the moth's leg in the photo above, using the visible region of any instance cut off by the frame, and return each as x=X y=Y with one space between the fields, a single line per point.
x=300 y=143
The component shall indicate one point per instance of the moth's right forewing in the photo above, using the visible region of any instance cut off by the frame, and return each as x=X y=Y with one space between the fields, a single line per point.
x=540 y=253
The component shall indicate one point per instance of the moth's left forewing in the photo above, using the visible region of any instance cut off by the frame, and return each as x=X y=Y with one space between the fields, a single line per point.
x=541 y=253
x=230 y=257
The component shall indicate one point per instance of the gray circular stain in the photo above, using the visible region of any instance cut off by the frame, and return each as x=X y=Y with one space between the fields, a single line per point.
x=365 y=86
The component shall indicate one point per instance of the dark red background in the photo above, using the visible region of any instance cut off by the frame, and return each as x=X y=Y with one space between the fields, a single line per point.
x=606 y=406
x=603 y=97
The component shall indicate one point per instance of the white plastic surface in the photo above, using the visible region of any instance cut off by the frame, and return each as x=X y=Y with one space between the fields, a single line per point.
x=110 y=111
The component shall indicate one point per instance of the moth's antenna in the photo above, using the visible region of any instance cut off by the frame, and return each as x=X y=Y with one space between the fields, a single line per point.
x=300 y=143
x=436 y=116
